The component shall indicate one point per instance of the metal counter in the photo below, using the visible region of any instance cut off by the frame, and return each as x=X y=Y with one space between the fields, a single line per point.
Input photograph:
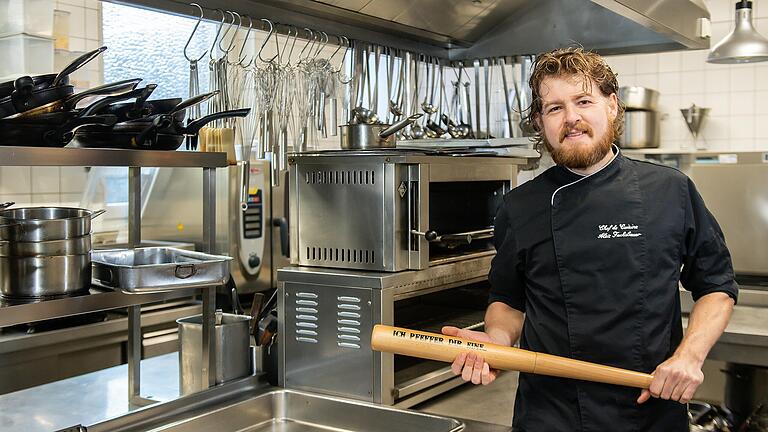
x=99 y=401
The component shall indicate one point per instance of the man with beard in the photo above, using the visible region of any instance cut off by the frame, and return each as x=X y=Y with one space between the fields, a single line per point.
x=589 y=256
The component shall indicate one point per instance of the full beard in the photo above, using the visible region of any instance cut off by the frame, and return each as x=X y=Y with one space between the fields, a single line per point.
x=579 y=155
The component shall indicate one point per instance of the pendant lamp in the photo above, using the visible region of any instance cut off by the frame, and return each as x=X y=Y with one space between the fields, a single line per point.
x=744 y=44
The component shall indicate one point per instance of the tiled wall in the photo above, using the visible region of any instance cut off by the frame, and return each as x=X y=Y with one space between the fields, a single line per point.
x=736 y=94
x=60 y=185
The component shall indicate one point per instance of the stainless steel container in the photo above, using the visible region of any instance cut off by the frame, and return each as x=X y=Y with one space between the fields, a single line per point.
x=641 y=130
x=231 y=341
x=158 y=269
x=372 y=136
x=639 y=98
x=32 y=224
x=73 y=246
x=44 y=276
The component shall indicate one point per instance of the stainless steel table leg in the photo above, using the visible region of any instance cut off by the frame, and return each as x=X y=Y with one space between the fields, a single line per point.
x=134 y=312
x=209 y=294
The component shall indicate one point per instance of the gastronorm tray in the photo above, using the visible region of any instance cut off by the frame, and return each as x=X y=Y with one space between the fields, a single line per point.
x=155 y=269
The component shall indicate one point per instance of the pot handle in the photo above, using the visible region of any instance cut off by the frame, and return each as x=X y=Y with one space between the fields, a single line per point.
x=195 y=126
x=185 y=271
x=195 y=100
x=97 y=213
x=139 y=94
x=6 y=205
x=102 y=90
x=399 y=125
x=77 y=64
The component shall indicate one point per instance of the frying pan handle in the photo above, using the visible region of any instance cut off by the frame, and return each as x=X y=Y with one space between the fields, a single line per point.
x=102 y=90
x=6 y=205
x=195 y=126
x=76 y=64
x=56 y=136
x=196 y=100
x=141 y=93
x=22 y=92
x=97 y=213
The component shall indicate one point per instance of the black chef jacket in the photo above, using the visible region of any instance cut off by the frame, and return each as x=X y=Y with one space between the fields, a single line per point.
x=594 y=262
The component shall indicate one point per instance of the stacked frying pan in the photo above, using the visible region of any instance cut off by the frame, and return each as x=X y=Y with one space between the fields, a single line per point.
x=42 y=111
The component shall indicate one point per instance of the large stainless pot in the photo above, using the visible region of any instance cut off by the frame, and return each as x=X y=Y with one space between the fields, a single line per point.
x=33 y=224
x=44 y=276
x=639 y=98
x=72 y=246
x=641 y=130
x=363 y=136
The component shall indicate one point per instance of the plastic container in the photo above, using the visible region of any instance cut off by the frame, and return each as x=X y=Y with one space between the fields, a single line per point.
x=26 y=16
x=25 y=54
x=61 y=29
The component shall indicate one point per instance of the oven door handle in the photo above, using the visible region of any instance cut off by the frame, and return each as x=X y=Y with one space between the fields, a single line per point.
x=463 y=237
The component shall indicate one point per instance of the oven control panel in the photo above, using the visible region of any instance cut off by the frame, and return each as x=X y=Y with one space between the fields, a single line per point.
x=253 y=219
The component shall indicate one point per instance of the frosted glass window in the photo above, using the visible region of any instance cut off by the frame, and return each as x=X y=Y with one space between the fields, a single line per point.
x=150 y=45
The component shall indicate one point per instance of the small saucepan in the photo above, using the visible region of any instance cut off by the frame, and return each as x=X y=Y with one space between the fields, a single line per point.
x=363 y=136
x=31 y=92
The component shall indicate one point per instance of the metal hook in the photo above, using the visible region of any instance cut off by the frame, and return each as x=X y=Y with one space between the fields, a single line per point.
x=271 y=30
x=293 y=44
x=218 y=32
x=245 y=41
x=321 y=47
x=309 y=39
x=229 y=28
x=197 y=24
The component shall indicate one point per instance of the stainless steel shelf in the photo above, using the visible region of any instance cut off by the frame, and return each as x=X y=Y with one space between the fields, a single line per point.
x=97 y=300
x=42 y=156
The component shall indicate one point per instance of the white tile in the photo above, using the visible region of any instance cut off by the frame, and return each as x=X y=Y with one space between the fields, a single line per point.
x=19 y=200
x=761 y=144
x=692 y=82
x=669 y=83
x=15 y=180
x=70 y=199
x=742 y=127
x=761 y=126
x=718 y=103
x=742 y=144
x=670 y=61
x=93 y=4
x=627 y=80
x=76 y=20
x=761 y=76
x=719 y=31
x=92 y=24
x=717 y=80
x=714 y=144
x=73 y=179
x=45 y=180
x=90 y=45
x=694 y=60
x=79 y=3
x=670 y=128
x=623 y=64
x=77 y=44
x=671 y=145
x=761 y=103
x=648 y=80
x=647 y=63
x=743 y=78
x=716 y=127
x=46 y=199
x=761 y=25
x=742 y=103
x=669 y=103
x=720 y=10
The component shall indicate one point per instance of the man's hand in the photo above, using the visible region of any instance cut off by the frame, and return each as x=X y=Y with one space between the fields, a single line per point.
x=471 y=366
x=676 y=379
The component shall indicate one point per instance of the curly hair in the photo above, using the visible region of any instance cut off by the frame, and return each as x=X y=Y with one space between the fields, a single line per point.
x=568 y=62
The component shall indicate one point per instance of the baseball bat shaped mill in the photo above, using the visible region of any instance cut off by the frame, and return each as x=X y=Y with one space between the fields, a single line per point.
x=445 y=348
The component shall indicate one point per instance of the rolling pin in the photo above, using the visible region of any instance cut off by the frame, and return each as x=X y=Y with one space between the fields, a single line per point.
x=445 y=348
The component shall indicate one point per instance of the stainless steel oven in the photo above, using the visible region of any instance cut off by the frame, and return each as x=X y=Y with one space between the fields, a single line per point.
x=394 y=210
x=326 y=317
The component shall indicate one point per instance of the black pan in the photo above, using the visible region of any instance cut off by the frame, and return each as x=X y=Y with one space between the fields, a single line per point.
x=55 y=129
x=139 y=135
x=32 y=92
x=69 y=103
x=39 y=82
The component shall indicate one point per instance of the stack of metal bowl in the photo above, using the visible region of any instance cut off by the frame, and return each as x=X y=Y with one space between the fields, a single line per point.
x=45 y=252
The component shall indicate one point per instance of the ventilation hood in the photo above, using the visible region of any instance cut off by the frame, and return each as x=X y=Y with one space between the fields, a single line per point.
x=462 y=29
